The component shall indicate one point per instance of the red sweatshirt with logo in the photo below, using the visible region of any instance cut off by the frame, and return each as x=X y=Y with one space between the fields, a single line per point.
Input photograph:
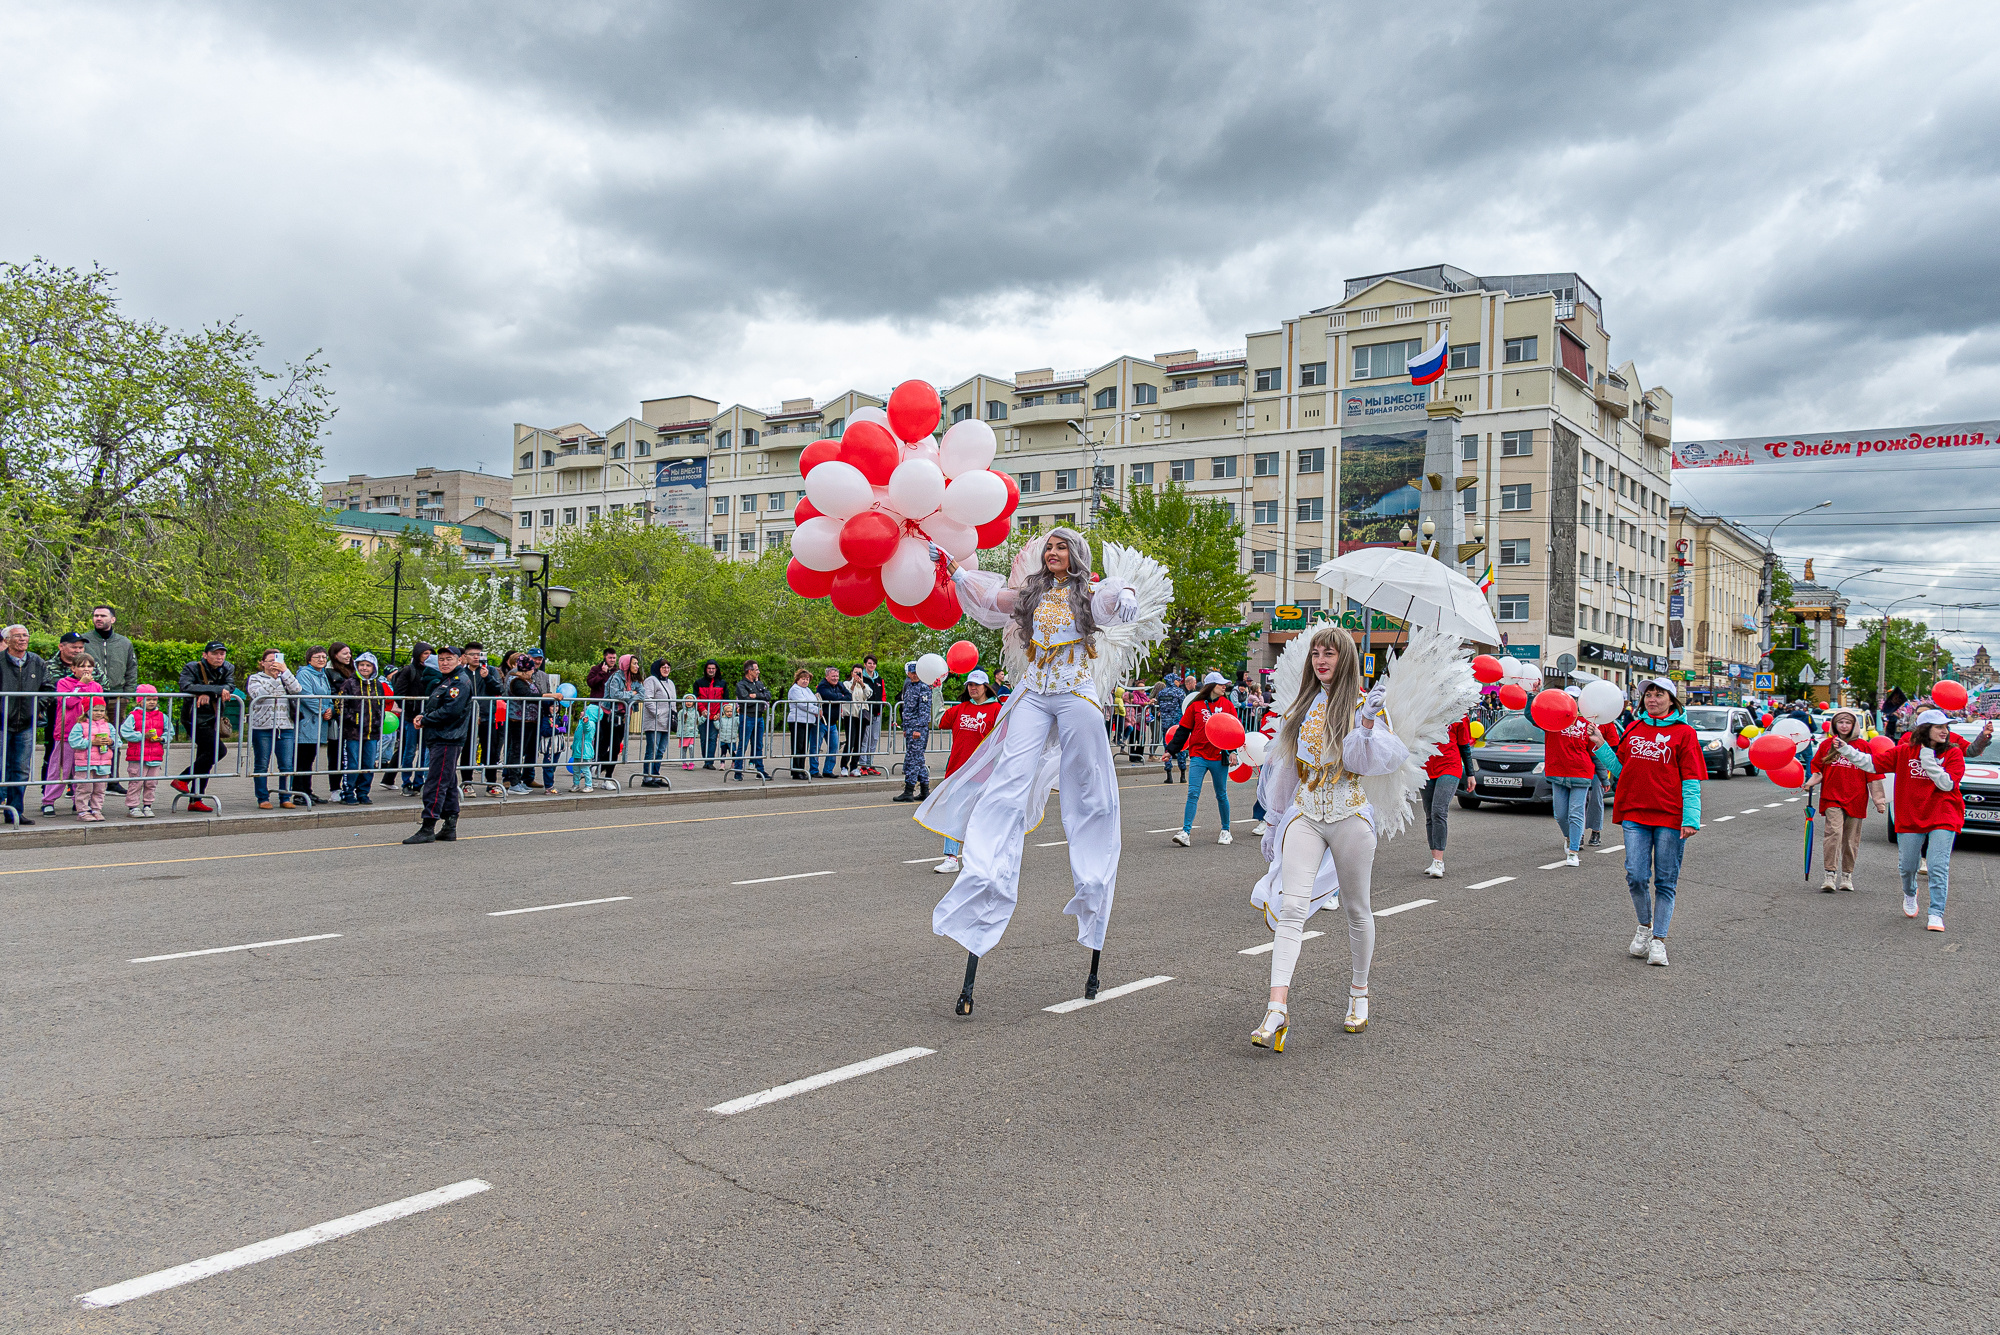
x=1921 y=806
x=1656 y=759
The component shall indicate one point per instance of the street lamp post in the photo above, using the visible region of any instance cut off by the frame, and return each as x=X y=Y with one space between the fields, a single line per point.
x=1835 y=662
x=1769 y=610
x=553 y=597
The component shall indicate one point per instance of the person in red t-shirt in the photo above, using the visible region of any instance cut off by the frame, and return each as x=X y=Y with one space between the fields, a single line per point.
x=970 y=722
x=1204 y=757
x=1445 y=770
x=1847 y=783
x=1930 y=809
x=1568 y=761
x=1659 y=769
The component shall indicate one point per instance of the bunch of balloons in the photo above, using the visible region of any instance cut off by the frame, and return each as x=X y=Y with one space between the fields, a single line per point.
x=1516 y=677
x=1256 y=746
x=877 y=498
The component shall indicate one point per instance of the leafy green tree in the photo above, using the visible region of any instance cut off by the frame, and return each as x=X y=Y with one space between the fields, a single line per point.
x=1199 y=541
x=1914 y=658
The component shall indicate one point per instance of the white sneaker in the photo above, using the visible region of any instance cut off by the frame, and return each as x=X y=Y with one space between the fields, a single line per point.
x=1570 y=859
x=1909 y=906
x=1936 y=924
x=947 y=867
x=1924 y=866
x=1436 y=869
x=1224 y=838
x=1642 y=941
x=1260 y=829
x=1182 y=838
x=1657 y=953
x=146 y=811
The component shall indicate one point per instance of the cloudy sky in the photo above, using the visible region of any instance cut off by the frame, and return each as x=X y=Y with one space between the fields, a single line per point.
x=508 y=211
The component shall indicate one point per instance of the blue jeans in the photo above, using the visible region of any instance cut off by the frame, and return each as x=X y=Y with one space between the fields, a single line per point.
x=1570 y=807
x=825 y=738
x=357 y=758
x=263 y=742
x=1198 y=768
x=708 y=732
x=1936 y=846
x=20 y=750
x=410 y=747
x=659 y=745
x=752 y=745
x=1653 y=852
x=952 y=848
x=1593 y=805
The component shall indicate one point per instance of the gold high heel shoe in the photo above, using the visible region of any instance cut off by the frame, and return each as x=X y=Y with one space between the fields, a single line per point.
x=1277 y=1024
x=1357 y=1011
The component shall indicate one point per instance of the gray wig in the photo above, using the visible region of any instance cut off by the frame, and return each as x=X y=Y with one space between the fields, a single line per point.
x=1036 y=582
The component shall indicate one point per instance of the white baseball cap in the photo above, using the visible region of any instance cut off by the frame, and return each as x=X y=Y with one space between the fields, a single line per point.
x=978 y=675
x=1215 y=679
x=1929 y=716
x=1664 y=685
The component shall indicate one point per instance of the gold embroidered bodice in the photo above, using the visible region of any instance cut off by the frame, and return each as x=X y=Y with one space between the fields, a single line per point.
x=1061 y=657
x=1327 y=792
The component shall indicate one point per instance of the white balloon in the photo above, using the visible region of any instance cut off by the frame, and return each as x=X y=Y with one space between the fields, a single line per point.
x=973 y=499
x=968 y=447
x=916 y=488
x=957 y=539
x=870 y=415
x=907 y=576
x=1601 y=701
x=816 y=543
x=1793 y=729
x=839 y=489
x=1256 y=746
x=930 y=668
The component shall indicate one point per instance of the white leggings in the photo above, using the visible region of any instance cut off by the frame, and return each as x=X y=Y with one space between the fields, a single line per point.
x=1352 y=843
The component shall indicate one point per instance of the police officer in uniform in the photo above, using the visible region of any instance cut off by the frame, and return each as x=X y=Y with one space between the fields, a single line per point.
x=914 y=713
x=446 y=717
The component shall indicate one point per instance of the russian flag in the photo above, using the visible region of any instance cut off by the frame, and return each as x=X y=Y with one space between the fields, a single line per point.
x=1428 y=366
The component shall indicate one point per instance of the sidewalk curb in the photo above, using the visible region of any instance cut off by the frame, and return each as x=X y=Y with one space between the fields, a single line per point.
x=331 y=816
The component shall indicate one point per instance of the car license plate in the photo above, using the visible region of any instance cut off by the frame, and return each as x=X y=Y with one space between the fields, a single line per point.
x=1991 y=817
x=1509 y=781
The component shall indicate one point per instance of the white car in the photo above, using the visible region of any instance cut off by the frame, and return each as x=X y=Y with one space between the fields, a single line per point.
x=1717 y=726
x=1980 y=787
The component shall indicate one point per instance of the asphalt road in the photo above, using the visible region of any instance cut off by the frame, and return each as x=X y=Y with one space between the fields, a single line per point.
x=1789 y=1128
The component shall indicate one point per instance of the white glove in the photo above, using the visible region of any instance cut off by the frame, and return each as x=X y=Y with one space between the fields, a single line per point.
x=1927 y=761
x=1372 y=706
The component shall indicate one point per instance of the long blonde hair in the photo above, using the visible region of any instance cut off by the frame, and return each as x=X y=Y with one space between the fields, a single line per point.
x=1342 y=695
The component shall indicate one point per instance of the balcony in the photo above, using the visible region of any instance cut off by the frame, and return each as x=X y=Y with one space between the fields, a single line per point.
x=1659 y=430
x=1206 y=394
x=1613 y=395
x=572 y=459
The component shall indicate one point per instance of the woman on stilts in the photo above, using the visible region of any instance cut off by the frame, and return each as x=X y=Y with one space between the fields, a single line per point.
x=1067 y=641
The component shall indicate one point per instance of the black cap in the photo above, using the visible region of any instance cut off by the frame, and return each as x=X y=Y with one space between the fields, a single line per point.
x=446 y=649
x=213 y=645
x=71 y=637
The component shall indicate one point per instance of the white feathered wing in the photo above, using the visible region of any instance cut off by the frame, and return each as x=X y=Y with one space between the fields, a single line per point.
x=1121 y=648
x=1427 y=689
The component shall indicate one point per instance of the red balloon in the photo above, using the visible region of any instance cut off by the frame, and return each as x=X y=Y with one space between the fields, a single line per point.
x=1744 y=742
x=1771 y=752
x=870 y=448
x=869 y=538
x=1791 y=776
x=807 y=582
x=1765 y=721
x=909 y=616
x=1948 y=695
x=1486 y=669
x=913 y=410
x=816 y=454
x=1553 y=710
x=1013 y=493
x=1514 y=695
x=1241 y=774
x=961 y=657
x=941 y=610
x=1224 y=730
x=855 y=591
x=1883 y=749
x=995 y=533
x=804 y=510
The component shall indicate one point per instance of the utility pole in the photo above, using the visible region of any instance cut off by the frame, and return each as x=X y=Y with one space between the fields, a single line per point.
x=395 y=607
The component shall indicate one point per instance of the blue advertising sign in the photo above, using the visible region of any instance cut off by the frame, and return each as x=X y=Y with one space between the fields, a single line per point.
x=680 y=498
x=1371 y=403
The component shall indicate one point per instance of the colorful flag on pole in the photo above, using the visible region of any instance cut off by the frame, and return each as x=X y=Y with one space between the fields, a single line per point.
x=1428 y=366
x=1486 y=578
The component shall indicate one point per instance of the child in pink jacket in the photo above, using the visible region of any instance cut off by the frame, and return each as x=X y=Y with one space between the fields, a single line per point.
x=145 y=734
x=93 y=743
x=72 y=704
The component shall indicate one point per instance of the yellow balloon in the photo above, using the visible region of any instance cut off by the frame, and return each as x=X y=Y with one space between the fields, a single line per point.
x=1478 y=730
x=1753 y=732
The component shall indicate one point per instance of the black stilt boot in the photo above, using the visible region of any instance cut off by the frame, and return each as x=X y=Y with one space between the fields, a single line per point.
x=909 y=793
x=964 y=1006
x=1090 y=983
x=449 y=834
x=426 y=835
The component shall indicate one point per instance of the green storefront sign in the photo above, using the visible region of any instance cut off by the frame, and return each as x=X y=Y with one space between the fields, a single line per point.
x=1295 y=618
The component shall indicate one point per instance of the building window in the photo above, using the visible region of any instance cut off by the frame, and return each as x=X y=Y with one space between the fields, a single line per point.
x=749 y=439
x=1380 y=359
x=617 y=510
x=1308 y=560
x=1270 y=378
x=548 y=518
x=1264 y=465
x=1516 y=444
x=1070 y=396
x=1468 y=449
x=1222 y=466
x=1312 y=461
x=1261 y=611
x=1184 y=382
x=548 y=458
x=1031 y=523
x=748 y=505
x=1311 y=509
x=1264 y=562
x=775 y=501
x=1264 y=512
x=1517 y=496
x=1104 y=475
x=721 y=544
x=1032 y=400
x=1521 y=350
x=1514 y=551
x=1469 y=498
x=1181 y=470
x=354 y=544
x=1030 y=482
x=590 y=513
x=1065 y=479
x=1228 y=508
x=1513 y=607
x=746 y=542
x=1465 y=357
x=1105 y=398
x=528 y=459
x=961 y=412
x=569 y=515
x=527 y=519
x=1067 y=519
x=1142 y=475
x=1143 y=394
x=777 y=538
x=722 y=505
x=1226 y=378
x=996 y=411
x=645 y=448
x=618 y=450
x=722 y=440
x=1312 y=373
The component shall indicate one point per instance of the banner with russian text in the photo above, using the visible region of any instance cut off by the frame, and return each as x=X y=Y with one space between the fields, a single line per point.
x=1837 y=449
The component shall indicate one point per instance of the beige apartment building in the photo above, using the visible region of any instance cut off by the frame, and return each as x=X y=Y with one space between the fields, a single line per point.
x=1721 y=567
x=435 y=495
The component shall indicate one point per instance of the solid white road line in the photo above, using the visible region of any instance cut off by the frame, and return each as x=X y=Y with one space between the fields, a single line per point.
x=1403 y=908
x=1269 y=946
x=1053 y=843
x=224 y=950
x=113 y=1294
x=1613 y=848
x=1488 y=885
x=544 y=908
x=820 y=1081
x=1078 y=1003
x=795 y=876
x=911 y=862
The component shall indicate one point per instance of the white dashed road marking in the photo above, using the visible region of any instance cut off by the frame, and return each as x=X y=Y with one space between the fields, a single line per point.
x=1551 y=866
x=1749 y=811
x=1612 y=848
x=1769 y=805
x=224 y=950
x=1268 y=946
x=795 y=876
x=820 y=1081
x=911 y=862
x=544 y=908
x=1488 y=885
x=1403 y=908
x=113 y=1294
x=1109 y=994
x=1720 y=819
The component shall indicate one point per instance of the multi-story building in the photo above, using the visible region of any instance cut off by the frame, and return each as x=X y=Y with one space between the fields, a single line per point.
x=439 y=495
x=1719 y=569
x=365 y=531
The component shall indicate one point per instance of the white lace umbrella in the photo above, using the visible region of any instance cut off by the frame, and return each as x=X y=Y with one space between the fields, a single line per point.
x=1431 y=594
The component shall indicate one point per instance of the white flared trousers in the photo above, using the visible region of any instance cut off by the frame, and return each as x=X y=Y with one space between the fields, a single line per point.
x=975 y=911
x=1352 y=843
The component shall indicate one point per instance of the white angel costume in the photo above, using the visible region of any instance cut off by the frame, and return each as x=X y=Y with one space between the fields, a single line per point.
x=1332 y=810
x=1049 y=734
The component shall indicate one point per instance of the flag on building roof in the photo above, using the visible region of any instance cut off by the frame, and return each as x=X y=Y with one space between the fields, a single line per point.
x=1428 y=366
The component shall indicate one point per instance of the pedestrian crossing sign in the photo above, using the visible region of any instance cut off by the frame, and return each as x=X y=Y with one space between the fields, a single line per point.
x=1367 y=665
x=1767 y=681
